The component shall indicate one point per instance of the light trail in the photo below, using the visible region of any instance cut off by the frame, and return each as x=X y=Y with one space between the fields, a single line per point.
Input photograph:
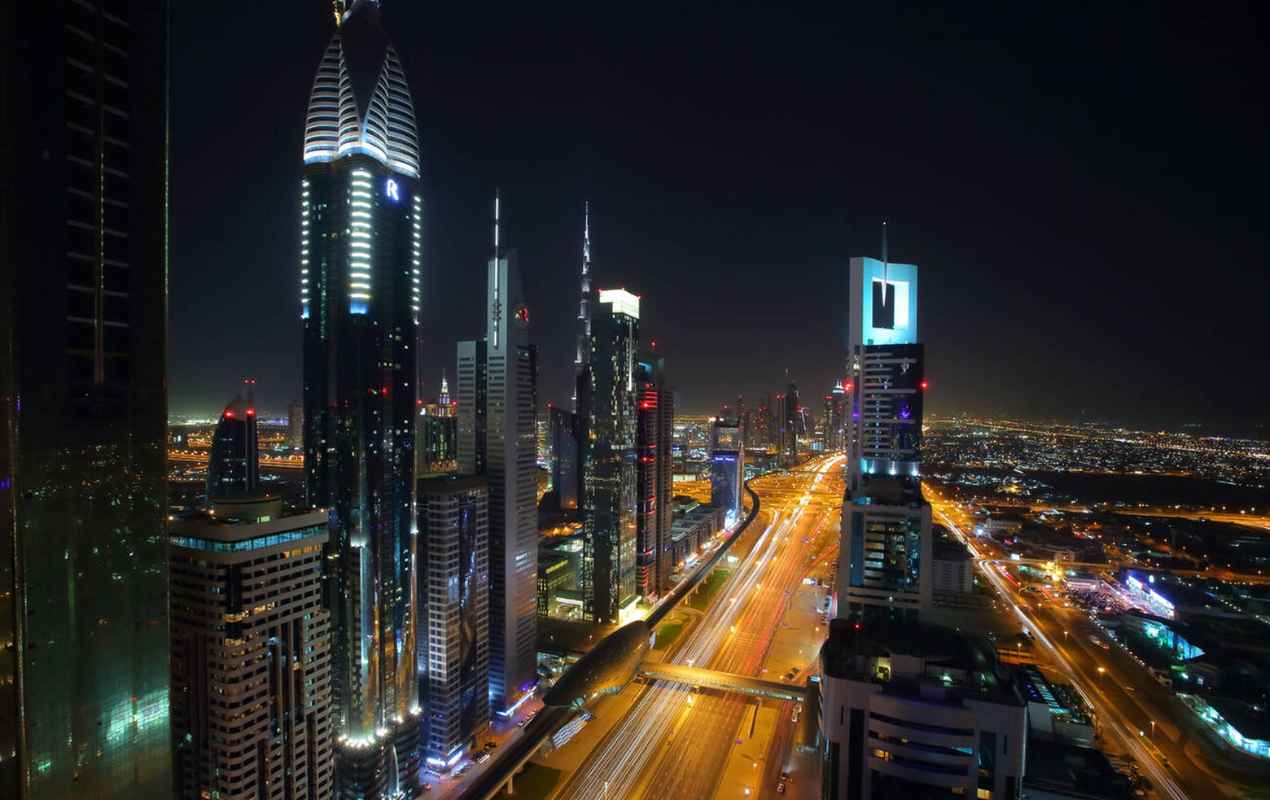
x=616 y=767
x=1162 y=781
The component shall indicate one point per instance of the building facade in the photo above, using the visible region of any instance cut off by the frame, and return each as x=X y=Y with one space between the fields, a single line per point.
x=454 y=610
x=608 y=581
x=83 y=401
x=251 y=654
x=886 y=554
x=360 y=282
x=566 y=458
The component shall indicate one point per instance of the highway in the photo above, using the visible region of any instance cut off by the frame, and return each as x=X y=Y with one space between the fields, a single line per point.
x=673 y=743
x=1124 y=696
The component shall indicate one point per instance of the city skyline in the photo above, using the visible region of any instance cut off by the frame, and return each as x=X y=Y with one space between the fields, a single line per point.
x=1046 y=225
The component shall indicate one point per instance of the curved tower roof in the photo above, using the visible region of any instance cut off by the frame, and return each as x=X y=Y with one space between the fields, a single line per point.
x=360 y=102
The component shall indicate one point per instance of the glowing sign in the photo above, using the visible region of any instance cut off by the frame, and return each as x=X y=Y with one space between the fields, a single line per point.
x=390 y=189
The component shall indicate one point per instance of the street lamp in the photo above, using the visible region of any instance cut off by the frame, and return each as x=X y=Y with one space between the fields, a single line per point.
x=1152 y=730
x=1101 y=671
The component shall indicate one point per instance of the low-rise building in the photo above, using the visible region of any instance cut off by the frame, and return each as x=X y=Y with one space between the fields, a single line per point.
x=907 y=706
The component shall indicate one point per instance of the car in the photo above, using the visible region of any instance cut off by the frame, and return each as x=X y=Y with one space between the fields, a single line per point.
x=780 y=787
x=483 y=757
x=784 y=776
x=795 y=670
x=797 y=711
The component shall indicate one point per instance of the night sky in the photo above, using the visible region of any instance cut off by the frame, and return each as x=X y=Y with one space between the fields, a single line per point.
x=1083 y=188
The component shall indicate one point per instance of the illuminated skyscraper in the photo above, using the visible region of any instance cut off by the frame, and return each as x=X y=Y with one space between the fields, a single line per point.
x=454 y=613
x=511 y=471
x=360 y=266
x=885 y=558
x=233 y=466
x=609 y=557
x=582 y=358
x=83 y=405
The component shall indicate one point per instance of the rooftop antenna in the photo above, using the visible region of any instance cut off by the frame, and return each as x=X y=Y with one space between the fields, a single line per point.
x=496 y=221
x=886 y=263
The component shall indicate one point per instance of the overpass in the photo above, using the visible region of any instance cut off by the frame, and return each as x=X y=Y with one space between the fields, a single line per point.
x=723 y=681
x=607 y=668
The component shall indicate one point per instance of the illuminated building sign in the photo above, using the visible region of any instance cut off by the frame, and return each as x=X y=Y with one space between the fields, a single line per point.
x=390 y=189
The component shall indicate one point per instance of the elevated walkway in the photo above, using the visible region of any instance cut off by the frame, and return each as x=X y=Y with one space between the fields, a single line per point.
x=723 y=681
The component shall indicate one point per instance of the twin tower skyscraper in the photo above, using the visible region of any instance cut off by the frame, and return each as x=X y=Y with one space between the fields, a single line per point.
x=360 y=299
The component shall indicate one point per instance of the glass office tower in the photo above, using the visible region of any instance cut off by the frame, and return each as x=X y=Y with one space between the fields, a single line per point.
x=233 y=467
x=360 y=267
x=83 y=405
x=609 y=542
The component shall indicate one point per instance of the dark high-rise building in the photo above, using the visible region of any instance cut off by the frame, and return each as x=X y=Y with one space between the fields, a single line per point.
x=295 y=425
x=360 y=265
x=885 y=562
x=608 y=582
x=566 y=462
x=454 y=614
x=233 y=467
x=763 y=427
x=654 y=473
x=83 y=405
x=791 y=423
x=472 y=409
x=251 y=671
x=511 y=471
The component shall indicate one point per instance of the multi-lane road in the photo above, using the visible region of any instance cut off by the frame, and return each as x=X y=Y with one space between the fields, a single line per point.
x=675 y=743
x=1126 y=699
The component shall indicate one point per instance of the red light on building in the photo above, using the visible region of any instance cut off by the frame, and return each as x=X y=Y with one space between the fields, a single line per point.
x=251 y=412
x=924 y=385
x=229 y=414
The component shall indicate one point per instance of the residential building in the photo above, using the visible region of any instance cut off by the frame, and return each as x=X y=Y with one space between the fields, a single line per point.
x=251 y=653
x=908 y=709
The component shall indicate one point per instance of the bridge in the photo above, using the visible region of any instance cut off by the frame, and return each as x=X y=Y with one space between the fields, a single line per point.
x=723 y=681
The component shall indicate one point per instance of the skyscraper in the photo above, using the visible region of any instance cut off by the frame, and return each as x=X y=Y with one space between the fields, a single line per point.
x=360 y=265
x=654 y=474
x=454 y=613
x=791 y=423
x=251 y=671
x=609 y=557
x=566 y=460
x=886 y=548
x=472 y=409
x=582 y=357
x=295 y=425
x=727 y=468
x=83 y=404
x=511 y=471
x=233 y=466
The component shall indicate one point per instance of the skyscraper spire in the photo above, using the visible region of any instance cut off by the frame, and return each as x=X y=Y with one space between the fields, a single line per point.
x=497 y=212
x=583 y=353
x=444 y=399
